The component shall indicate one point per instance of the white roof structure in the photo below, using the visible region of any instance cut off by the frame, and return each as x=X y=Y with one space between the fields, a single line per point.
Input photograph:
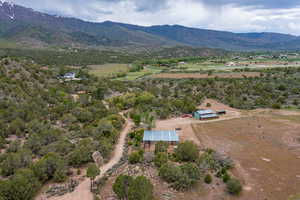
x=158 y=136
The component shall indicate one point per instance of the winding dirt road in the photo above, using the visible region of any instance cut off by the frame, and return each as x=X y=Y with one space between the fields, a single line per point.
x=82 y=191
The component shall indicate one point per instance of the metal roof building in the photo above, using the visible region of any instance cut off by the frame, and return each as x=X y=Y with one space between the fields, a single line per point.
x=160 y=136
x=205 y=114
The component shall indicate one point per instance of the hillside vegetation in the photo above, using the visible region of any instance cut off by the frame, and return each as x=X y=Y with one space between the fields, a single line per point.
x=45 y=130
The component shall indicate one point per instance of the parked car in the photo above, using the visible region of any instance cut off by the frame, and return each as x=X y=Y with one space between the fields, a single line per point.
x=187 y=116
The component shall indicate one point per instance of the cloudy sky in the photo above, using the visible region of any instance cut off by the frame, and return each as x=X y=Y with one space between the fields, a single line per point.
x=231 y=15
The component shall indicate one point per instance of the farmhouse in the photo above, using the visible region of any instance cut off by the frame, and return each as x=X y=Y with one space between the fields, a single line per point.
x=70 y=75
x=151 y=137
x=230 y=64
x=205 y=114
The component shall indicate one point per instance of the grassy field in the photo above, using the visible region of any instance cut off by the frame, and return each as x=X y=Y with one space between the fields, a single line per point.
x=250 y=65
x=203 y=76
x=108 y=70
x=7 y=44
x=150 y=70
x=112 y=70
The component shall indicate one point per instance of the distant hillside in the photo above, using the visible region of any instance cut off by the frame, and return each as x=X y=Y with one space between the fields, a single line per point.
x=20 y=25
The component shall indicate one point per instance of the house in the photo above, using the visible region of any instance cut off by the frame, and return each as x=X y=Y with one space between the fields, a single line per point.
x=230 y=64
x=70 y=75
x=151 y=137
x=205 y=114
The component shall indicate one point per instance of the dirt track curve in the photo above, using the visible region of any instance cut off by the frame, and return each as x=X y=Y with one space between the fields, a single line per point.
x=82 y=191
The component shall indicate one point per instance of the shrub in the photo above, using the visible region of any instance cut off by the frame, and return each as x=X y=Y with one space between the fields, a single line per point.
x=135 y=157
x=181 y=178
x=187 y=151
x=226 y=177
x=182 y=183
x=137 y=137
x=276 y=106
x=208 y=179
x=169 y=172
x=191 y=170
x=234 y=187
x=160 y=159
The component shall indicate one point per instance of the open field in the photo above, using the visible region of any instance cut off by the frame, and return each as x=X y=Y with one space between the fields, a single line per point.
x=200 y=76
x=237 y=65
x=265 y=147
x=108 y=70
x=145 y=72
x=264 y=144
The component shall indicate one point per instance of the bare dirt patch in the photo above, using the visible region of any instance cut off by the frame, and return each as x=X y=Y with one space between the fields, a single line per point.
x=204 y=76
x=264 y=149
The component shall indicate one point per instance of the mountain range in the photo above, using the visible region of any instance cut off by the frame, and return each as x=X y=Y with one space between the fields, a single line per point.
x=27 y=27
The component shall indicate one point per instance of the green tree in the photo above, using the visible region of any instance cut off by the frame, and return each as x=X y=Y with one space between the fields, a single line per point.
x=15 y=161
x=50 y=166
x=22 y=186
x=187 y=151
x=140 y=189
x=121 y=186
x=92 y=172
x=208 y=179
x=136 y=119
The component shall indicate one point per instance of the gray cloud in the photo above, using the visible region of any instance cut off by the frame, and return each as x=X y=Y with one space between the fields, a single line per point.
x=256 y=3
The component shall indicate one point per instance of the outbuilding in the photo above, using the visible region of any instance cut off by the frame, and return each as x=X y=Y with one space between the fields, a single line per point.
x=70 y=75
x=151 y=137
x=205 y=114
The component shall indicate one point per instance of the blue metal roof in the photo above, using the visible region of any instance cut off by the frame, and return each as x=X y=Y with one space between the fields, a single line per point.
x=165 y=136
x=209 y=116
x=205 y=112
x=69 y=74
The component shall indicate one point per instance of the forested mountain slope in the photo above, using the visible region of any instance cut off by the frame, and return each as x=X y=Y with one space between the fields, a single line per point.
x=35 y=29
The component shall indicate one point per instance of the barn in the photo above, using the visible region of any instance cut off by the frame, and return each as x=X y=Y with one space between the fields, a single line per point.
x=151 y=137
x=205 y=114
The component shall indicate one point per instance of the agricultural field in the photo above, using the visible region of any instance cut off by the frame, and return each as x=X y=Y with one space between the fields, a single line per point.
x=229 y=65
x=203 y=76
x=108 y=70
x=149 y=70
x=221 y=68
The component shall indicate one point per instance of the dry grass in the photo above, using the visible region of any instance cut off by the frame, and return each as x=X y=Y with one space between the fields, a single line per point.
x=265 y=149
x=108 y=70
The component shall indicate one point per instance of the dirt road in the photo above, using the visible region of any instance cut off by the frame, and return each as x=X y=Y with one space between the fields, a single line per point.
x=82 y=191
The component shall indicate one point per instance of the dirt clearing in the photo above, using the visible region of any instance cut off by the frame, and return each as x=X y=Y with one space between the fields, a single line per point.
x=266 y=148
